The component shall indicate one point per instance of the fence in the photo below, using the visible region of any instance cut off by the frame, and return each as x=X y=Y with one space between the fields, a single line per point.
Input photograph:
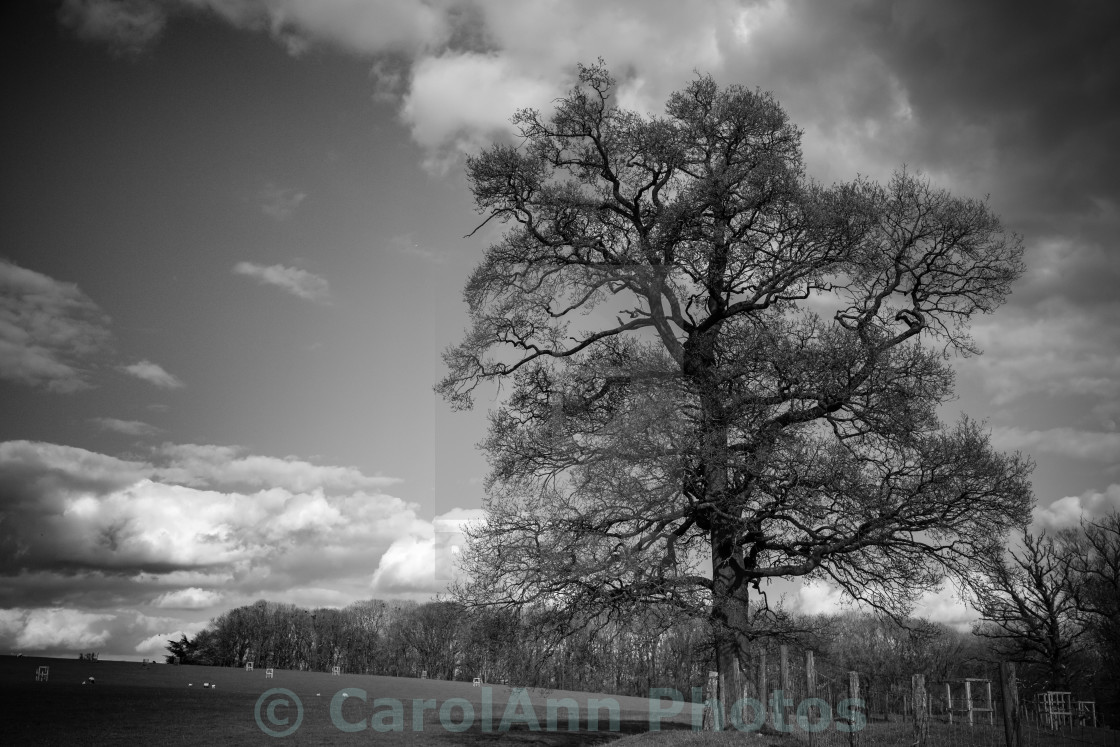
x=821 y=705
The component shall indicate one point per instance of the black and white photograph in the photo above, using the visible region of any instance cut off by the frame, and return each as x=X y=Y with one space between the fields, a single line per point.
x=560 y=372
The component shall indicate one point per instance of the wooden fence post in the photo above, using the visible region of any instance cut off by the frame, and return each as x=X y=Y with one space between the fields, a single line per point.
x=811 y=692
x=853 y=695
x=1012 y=727
x=921 y=710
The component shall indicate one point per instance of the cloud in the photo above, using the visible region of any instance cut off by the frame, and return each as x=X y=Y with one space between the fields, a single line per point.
x=972 y=92
x=948 y=608
x=1070 y=442
x=944 y=606
x=450 y=540
x=154 y=374
x=61 y=630
x=192 y=598
x=225 y=467
x=299 y=282
x=127 y=26
x=48 y=330
x=155 y=647
x=185 y=515
x=127 y=427
x=31 y=471
x=280 y=202
x=1069 y=511
x=387 y=26
x=193 y=529
x=457 y=102
x=408 y=568
x=54 y=628
x=1054 y=348
x=819 y=598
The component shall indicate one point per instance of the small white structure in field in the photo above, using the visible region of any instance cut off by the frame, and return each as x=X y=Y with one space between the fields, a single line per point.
x=966 y=705
x=268 y=674
x=248 y=666
x=1055 y=708
x=336 y=671
x=42 y=674
x=477 y=682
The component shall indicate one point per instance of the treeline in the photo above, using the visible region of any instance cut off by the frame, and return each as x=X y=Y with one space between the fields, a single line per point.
x=449 y=642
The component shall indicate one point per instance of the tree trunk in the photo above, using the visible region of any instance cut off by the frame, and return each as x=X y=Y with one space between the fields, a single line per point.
x=730 y=617
x=729 y=594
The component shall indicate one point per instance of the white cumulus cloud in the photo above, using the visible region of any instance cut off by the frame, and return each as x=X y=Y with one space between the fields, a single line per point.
x=291 y=279
x=127 y=427
x=154 y=374
x=60 y=628
x=1072 y=509
x=192 y=598
x=458 y=102
x=819 y=598
x=408 y=568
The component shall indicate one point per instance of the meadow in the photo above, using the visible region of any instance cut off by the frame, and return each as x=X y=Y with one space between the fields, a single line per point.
x=129 y=703
x=165 y=704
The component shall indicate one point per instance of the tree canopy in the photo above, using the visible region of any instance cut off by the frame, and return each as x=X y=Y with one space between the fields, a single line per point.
x=719 y=372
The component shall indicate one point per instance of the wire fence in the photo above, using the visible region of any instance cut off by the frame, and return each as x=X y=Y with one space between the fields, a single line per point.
x=822 y=704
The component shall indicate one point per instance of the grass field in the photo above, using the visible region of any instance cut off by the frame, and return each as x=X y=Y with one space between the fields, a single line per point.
x=164 y=704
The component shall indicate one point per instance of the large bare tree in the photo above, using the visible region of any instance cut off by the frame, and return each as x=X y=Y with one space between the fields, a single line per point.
x=719 y=372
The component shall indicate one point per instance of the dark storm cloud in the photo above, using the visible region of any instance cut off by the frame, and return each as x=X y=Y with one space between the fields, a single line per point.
x=1017 y=100
x=1042 y=82
x=1042 y=77
x=1036 y=79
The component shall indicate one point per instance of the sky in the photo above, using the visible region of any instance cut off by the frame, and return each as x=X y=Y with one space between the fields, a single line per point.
x=234 y=239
